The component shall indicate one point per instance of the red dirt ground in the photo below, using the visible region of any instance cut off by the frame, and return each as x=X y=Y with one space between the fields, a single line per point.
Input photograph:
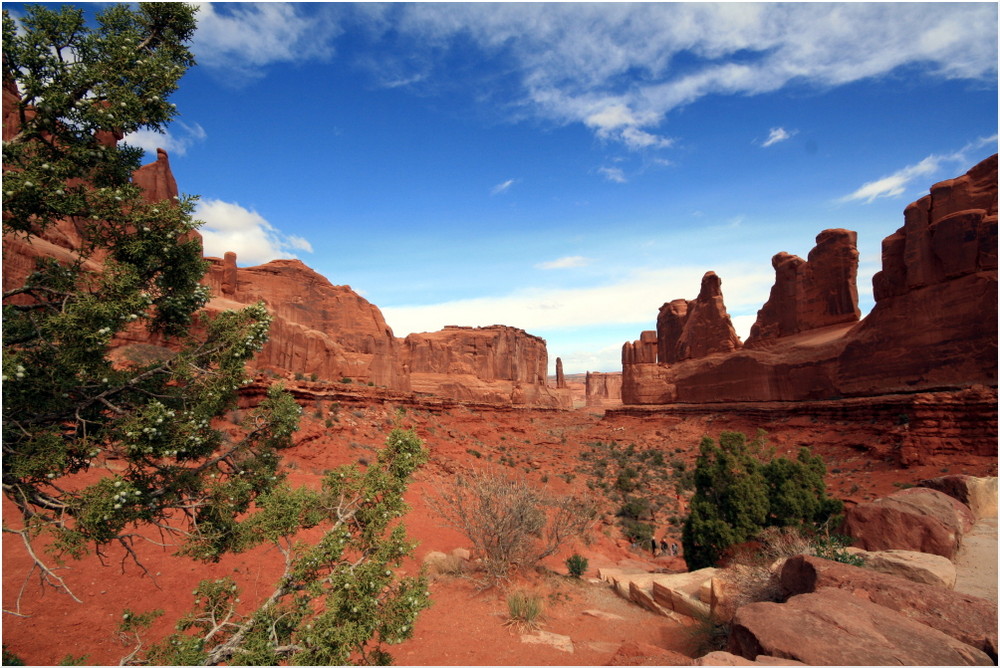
x=464 y=626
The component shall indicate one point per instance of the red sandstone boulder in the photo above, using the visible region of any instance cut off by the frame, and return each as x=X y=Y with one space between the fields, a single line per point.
x=979 y=494
x=727 y=659
x=918 y=519
x=969 y=619
x=814 y=293
x=834 y=627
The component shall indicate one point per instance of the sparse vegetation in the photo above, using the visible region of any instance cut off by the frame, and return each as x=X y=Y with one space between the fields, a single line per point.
x=524 y=610
x=511 y=525
x=577 y=565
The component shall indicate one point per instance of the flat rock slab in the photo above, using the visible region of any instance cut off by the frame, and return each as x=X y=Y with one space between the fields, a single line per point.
x=727 y=659
x=968 y=619
x=834 y=627
x=560 y=642
x=932 y=569
x=600 y=614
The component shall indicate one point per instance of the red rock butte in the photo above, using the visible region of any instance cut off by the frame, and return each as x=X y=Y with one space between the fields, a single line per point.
x=932 y=330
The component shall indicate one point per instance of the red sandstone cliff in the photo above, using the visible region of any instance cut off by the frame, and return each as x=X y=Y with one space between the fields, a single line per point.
x=933 y=326
x=496 y=363
x=318 y=328
x=604 y=390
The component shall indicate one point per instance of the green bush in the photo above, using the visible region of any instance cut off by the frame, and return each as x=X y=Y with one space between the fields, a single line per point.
x=737 y=495
x=577 y=565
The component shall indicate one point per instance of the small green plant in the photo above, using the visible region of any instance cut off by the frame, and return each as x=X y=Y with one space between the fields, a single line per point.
x=834 y=547
x=474 y=453
x=577 y=565
x=524 y=610
x=313 y=377
x=11 y=659
x=346 y=381
x=299 y=375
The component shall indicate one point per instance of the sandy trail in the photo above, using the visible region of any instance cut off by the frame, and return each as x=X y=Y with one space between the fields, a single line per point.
x=976 y=561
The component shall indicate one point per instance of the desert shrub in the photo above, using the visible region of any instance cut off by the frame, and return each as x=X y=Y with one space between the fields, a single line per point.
x=834 y=547
x=512 y=525
x=449 y=565
x=475 y=453
x=636 y=508
x=346 y=381
x=706 y=635
x=11 y=659
x=577 y=565
x=524 y=610
x=737 y=495
x=637 y=531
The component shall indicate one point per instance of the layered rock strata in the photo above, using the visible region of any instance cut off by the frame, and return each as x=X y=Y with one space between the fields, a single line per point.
x=604 y=390
x=933 y=326
x=496 y=363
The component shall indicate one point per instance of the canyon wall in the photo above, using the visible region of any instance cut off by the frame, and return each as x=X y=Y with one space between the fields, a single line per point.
x=604 y=390
x=933 y=327
x=496 y=363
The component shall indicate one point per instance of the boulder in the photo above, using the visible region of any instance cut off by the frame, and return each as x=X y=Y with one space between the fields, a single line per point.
x=932 y=569
x=919 y=519
x=643 y=654
x=559 y=642
x=834 y=627
x=727 y=659
x=979 y=494
x=969 y=619
x=686 y=593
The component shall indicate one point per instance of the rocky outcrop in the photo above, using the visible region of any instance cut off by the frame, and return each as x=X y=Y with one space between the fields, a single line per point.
x=497 y=364
x=965 y=618
x=318 y=328
x=693 y=329
x=814 y=293
x=156 y=180
x=933 y=327
x=604 y=390
x=923 y=520
x=834 y=627
x=932 y=569
x=979 y=494
x=560 y=377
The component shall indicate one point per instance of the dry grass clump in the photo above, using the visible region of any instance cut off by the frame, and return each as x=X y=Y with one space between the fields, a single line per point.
x=524 y=611
x=447 y=565
x=752 y=572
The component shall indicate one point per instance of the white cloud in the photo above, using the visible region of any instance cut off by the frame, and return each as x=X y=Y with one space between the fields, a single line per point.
x=613 y=174
x=243 y=38
x=502 y=187
x=569 y=262
x=895 y=184
x=633 y=300
x=174 y=141
x=777 y=135
x=230 y=227
x=614 y=67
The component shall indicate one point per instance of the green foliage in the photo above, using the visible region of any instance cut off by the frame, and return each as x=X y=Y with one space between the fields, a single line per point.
x=66 y=406
x=737 y=494
x=524 y=610
x=339 y=599
x=577 y=565
x=11 y=659
x=834 y=547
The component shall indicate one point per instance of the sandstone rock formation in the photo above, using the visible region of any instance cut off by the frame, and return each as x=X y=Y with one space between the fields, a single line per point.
x=923 y=520
x=921 y=567
x=834 y=627
x=498 y=364
x=933 y=327
x=966 y=618
x=979 y=494
x=318 y=328
x=693 y=329
x=560 y=377
x=604 y=390
x=814 y=293
x=156 y=179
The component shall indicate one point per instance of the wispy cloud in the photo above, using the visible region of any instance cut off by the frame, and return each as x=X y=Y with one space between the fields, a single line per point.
x=777 y=135
x=502 y=187
x=613 y=174
x=895 y=184
x=231 y=227
x=175 y=141
x=613 y=67
x=238 y=40
x=569 y=262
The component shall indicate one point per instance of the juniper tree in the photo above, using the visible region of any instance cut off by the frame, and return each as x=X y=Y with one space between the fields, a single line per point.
x=740 y=490
x=69 y=410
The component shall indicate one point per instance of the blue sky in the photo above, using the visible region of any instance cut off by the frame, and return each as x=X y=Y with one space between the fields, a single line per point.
x=568 y=168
